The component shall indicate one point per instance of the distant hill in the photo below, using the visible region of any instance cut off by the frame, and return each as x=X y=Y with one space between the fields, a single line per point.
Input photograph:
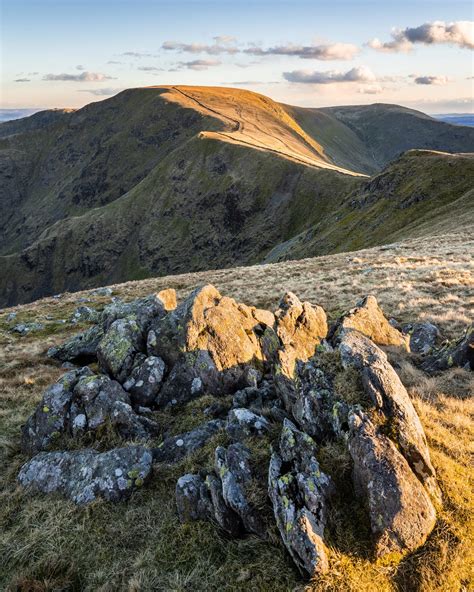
x=458 y=118
x=164 y=180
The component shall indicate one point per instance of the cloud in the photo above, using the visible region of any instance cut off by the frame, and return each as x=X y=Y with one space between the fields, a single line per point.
x=460 y=33
x=333 y=51
x=150 y=69
x=428 y=80
x=84 y=77
x=114 y=62
x=101 y=92
x=358 y=74
x=22 y=80
x=223 y=39
x=217 y=48
x=372 y=89
x=137 y=54
x=80 y=67
x=199 y=64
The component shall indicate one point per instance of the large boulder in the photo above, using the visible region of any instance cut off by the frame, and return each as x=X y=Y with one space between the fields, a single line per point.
x=85 y=475
x=460 y=353
x=400 y=510
x=388 y=395
x=423 y=337
x=368 y=318
x=80 y=349
x=141 y=310
x=299 y=493
x=117 y=349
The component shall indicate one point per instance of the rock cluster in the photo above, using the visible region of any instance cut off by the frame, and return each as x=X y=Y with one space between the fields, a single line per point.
x=283 y=384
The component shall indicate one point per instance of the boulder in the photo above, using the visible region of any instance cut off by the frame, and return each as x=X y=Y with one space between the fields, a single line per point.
x=50 y=419
x=460 y=353
x=299 y=493
x=389 y=396
x=144 y=383
x=368 y=318
x=117 y=349
x=400 y=510
x=85 y=475
x=85 y=314
x=167 y=298
x=175 y=448
x=232 y=465
x=300 y=328
x=208 y=322
x=80 y=349
x=423 y=337
x=242 y=424
x=141 y=310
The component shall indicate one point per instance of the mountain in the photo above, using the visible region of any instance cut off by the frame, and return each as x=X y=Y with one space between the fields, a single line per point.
x=165 y=180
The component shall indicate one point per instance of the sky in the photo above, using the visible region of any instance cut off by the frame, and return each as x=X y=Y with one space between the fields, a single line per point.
x=67 y=53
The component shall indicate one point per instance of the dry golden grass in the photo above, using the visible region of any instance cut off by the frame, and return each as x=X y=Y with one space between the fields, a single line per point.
x=46 y=543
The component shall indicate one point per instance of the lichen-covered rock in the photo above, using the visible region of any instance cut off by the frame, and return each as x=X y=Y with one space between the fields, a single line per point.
x=208 y=322
x=385 y=389
x=368 y=318
x=401 y=513
x=85 y=313
x=51 y=417
x=300 y=327
x=144 y=383
x=460 y=353
x=255 y=398
x=85 y=475
x=141 y=310
x=299 y=493
x=423 y=337
x=242 y=424
x=80 y=349
x=232 y=465
x=174 y=448
x=117 y=349
x=25 y=328
x=167 y=298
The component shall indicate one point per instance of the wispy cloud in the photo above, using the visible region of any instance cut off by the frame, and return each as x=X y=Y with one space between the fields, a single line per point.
x=22 y=80
x=429 y=80
x=114 y=62
x=460 y=33
x=84 y=77
x=137 y=54
x=101 y=92
x=327 y=52
x=199 y=64
x=217 y=48
x=150 y=69
x=371 y=89
x=80 y=67
x=359 y=74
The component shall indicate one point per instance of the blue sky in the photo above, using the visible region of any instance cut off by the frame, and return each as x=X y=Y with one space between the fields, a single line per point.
x=59 y=53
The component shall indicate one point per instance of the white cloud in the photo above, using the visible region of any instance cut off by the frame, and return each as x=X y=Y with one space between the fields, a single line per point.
x=429 y=80
x=358 y=74
x=101 y=92
x=372 y=89
x=84 y=77
x=150 y=69
x=80 y=67
x=332 y=51
x=137 y=54
x=215 y=49
x=22 y=80
x=199 y=64
x=460 y=33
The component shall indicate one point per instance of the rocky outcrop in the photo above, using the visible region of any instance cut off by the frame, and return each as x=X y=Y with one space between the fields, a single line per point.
x=175 y=448
x=460 y=353
x=299 y=493
x=144 y=382
x=80 y=349
x=118 y=347
x=85 y=475
x=243 y=423
x=368 y=318
x=423 y=337
x=400 y=510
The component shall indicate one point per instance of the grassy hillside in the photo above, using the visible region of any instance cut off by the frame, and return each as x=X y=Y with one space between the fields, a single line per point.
x=46 y=543
x=163 y=180
x=421 y=193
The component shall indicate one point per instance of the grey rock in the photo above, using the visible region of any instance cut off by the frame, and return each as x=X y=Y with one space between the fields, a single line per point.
x=102 y=292
x=401 y=513
x=117 y=349
x=142 y=310
x=232 y=465
x=242 y=423
x=175 y=448
x=85 y=313
x=193 y=499
x=460 y=353
x=423 y=337
x=85 y=475
x=80 y=349
x=145 y=381
x=385 y=389
x=25 y=328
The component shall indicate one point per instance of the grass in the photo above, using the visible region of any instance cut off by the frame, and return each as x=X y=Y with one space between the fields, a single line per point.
x=46 y=543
